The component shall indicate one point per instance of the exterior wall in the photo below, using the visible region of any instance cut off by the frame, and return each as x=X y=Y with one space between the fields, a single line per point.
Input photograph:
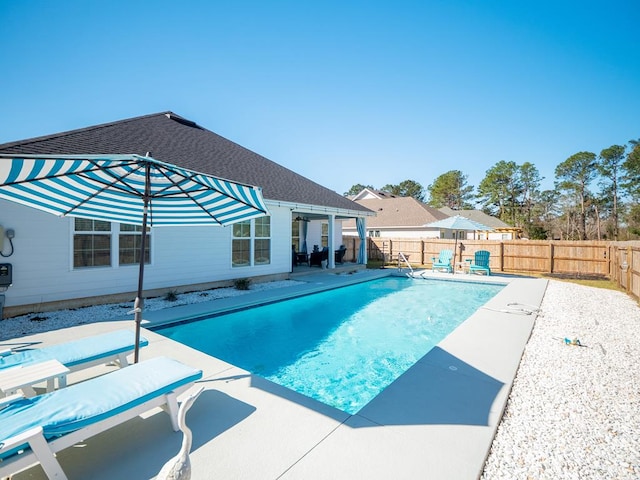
x=43 y=258
x=314 y=233
x=428 y=234
x=495 y=236
x=396 y=233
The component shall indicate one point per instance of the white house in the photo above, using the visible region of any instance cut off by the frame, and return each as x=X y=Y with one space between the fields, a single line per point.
x=396 y=217
x=406 y=217
x=52 y=260
x=500 y=230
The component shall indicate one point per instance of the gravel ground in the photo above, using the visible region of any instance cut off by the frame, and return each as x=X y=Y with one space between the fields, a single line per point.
x=574 y=411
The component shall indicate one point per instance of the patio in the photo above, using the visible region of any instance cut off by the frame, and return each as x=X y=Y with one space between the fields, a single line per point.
x=437 y=420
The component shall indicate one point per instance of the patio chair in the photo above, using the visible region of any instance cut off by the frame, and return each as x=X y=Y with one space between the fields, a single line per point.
x=443 y=262
x=33 y=430
x=299 y=257
x=315 y=259
x=78 y=354
x=340 y=253
x=481 y=262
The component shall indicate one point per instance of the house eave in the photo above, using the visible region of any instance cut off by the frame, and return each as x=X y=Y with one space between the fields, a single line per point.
x=320 y=209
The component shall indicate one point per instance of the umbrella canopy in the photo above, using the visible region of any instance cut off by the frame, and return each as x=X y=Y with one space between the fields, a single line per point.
x=131 y=189
x=457 y=223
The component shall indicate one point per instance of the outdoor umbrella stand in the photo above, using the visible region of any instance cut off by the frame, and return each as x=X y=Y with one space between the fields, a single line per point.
x=129 y=189
x=457 y=223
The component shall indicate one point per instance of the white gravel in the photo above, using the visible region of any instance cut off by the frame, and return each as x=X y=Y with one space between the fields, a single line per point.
x=41 y=322
x=574 y=411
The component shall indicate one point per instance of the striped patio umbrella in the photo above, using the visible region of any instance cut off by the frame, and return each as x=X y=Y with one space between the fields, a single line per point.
x=131 y=189
x=457 y=223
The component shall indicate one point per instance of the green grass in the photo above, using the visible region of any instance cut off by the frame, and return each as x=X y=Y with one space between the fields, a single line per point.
x=597 y=283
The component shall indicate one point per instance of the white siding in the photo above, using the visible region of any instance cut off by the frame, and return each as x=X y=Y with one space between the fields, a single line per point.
x=397 y=233
x=42 y=261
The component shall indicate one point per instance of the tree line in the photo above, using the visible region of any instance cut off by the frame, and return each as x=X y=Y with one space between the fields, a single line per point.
x=595 y=196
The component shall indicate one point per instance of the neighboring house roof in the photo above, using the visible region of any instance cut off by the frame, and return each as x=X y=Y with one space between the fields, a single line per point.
x=480 y=217
x=398 y=212
x=173 y=139
x=368 y=193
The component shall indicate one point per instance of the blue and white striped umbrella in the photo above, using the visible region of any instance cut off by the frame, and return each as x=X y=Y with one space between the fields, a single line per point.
x=130 y=189
x=115 y=188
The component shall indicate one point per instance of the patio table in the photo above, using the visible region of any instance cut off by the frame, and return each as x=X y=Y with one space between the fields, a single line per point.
x=23 y=377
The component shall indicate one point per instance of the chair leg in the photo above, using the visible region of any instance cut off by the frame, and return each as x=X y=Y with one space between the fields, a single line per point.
x=171 y=407
x=47 y=459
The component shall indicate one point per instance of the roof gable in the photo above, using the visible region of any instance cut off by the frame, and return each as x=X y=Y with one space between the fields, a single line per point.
x=400 y=212
x=367 y=194
x=173 y=139
x=478 y=216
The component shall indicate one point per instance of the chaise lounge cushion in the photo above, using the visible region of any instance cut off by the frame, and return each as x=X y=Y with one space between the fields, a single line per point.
x=82 y=404
x=77 y=352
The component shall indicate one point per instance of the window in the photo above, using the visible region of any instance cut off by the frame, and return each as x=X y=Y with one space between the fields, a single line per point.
x=129 y=245
x=95 y=240
x=91 y=243
x=324 y=239
x=241 y=244
x=262 y=242
x=244 y=239
x=295 y=235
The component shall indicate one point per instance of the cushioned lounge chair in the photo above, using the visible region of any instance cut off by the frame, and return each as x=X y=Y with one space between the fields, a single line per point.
x=79 y=354
x=32 y=430
x=481 y=262
x=443 y=262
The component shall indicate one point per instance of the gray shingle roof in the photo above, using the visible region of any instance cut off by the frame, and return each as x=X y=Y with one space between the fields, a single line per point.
x=398 y=212
x=173 y=139
x=478 y=216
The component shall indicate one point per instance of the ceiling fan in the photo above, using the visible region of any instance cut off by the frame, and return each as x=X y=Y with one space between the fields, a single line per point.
x=301 y=219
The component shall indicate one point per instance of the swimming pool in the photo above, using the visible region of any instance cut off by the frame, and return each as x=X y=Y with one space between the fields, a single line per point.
x=342 y=346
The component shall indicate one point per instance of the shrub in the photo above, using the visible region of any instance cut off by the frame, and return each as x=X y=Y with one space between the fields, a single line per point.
x=242 y=283
x=171 y=296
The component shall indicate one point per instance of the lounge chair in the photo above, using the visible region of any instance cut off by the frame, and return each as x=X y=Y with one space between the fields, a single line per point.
x=443 y=262
x=78 y=354
x=33 y=430
x=339 y=254
x=481 y=262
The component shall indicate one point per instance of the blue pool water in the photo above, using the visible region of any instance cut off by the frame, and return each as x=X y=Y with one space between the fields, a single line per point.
x=343 y=346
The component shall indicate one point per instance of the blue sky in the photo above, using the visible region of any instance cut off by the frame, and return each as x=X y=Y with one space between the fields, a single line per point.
x=342 y=92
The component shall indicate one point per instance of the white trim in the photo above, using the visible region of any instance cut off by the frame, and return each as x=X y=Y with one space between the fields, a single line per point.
x=303 y=207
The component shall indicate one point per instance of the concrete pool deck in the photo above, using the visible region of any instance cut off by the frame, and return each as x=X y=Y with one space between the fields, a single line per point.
x=437 y=420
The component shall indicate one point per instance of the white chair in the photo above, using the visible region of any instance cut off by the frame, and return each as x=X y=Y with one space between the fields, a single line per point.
x=78 y=354
x=34 y=429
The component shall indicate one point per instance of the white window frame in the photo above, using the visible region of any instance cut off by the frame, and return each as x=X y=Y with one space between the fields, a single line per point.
x=114 y=233
x=252 y=238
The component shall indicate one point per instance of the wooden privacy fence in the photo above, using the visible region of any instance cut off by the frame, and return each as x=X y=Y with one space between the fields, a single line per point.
x=618 y=261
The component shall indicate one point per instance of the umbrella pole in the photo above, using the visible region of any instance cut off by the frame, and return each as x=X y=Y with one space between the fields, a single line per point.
x=455 y=254
x=139 y=305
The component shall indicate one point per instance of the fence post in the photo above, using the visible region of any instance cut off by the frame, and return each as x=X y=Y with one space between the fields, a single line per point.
x=629 y=264
x=421 y=252
x=502 y=256
x=551 y=253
